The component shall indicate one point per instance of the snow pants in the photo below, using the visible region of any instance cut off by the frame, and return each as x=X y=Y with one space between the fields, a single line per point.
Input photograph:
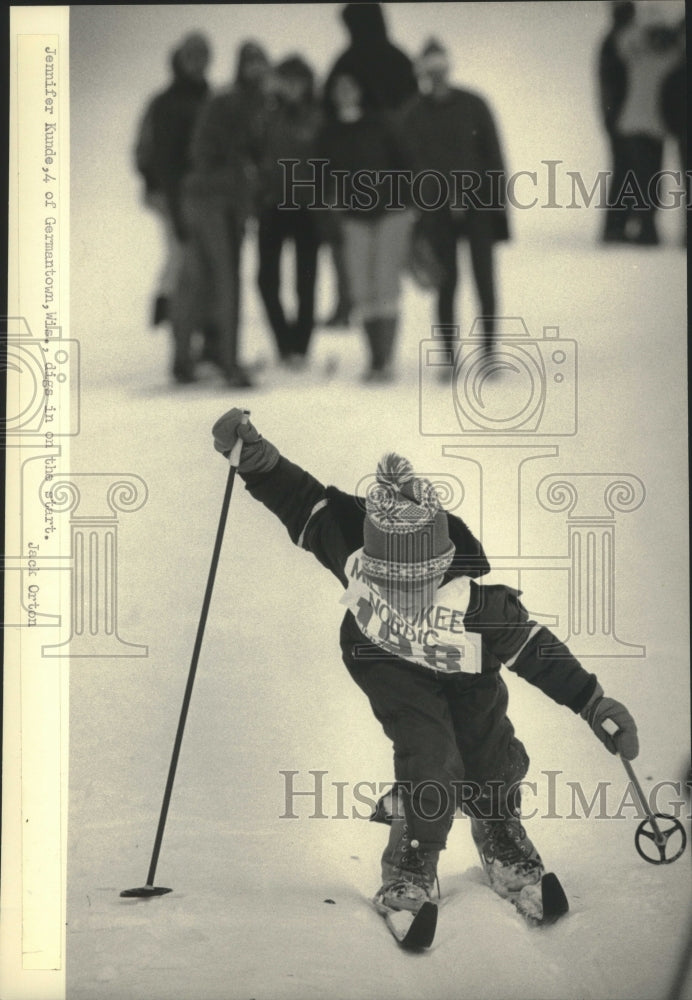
x=454 y=745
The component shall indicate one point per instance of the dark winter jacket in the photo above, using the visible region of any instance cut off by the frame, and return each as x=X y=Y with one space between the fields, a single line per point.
x=612 y=71
x=162 y=152
x=227 y=148
x=370 y=144
x=458 y=133
x=291 y=134
x=329 y=523
x=673 y=100
x=383 y=71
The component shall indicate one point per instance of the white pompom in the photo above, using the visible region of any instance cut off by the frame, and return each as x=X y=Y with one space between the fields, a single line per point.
x=394 y=469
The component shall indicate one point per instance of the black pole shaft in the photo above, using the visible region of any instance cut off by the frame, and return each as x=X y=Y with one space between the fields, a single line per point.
x=658 y=838
x=191 y=675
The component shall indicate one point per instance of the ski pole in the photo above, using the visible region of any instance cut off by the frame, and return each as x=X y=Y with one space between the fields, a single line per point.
x=659 y=836
x=150 y=889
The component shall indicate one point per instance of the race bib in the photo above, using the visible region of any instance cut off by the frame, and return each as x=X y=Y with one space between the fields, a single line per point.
x=435 y=638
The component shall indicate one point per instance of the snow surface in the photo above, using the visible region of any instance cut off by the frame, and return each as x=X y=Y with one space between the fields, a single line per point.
x=247 y=918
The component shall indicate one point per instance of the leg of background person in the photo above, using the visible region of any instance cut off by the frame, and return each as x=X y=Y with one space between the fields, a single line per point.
x=270 y=240
x=643 y=155
x=191 y=291
x=172 y=259
x=391 y=236
x=221 y=231
x=359 y=253
x=306 y=248
x=235 y=375
x=439 y=228
x=483 y=265
x=682 y=159
x=616 y=216
x=336 y=241
x=648 y=157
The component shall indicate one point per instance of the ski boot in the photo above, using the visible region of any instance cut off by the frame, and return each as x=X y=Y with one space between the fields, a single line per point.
x=509 y=858
x=409 y=872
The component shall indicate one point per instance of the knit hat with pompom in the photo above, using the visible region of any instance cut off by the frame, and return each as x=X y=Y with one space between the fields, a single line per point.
x=406 y=534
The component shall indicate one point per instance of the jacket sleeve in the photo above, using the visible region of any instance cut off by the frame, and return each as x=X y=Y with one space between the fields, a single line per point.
x=526 y=648
x=301 y=504
x=469 y=558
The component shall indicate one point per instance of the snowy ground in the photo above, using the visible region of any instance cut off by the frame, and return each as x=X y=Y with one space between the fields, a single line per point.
x=248 y=918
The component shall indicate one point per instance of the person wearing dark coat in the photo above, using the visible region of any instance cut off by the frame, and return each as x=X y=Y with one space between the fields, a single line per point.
x=384 y=73
x=450 y=129
x=612 y=89
x=292 y=126
x=356 y=143
x=386 y=78
x=162 y=155
x=650 y=52
x=219 y=195
x=673 y=107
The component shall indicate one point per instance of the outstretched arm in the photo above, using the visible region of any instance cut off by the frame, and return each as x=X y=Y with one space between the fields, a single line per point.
x=534 y=653
x=295 y=496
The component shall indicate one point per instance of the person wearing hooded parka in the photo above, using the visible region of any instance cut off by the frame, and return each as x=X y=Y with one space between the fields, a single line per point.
x=219 y=195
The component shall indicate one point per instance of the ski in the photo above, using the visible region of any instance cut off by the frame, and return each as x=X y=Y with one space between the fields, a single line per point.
x=413 y=931
x=541 y=904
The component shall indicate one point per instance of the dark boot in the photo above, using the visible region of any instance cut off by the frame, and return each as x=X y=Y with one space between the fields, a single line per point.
x=381 y=335
x=409 y=872
x=160 y=312
x=508 y=856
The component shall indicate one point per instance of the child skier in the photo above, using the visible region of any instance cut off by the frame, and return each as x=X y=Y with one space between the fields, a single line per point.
x=425 y=642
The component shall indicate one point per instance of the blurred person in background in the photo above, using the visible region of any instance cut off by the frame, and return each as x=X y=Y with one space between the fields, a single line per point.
x=386 y=79
x=649 y=50
x=292 y=126
x=673 y=105
x=612 y=89
x=162 y=155
x=450 y=129
x=219 y=195
x=383 y=71
x=359 y=139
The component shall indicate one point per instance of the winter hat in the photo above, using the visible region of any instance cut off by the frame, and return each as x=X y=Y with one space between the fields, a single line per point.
x=249 y=51
x=433 y=56
x=193 y=44
x=295 y=68
x=405 y=532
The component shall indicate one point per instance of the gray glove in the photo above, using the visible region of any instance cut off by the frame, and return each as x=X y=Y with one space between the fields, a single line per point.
x=598 y=710
x=257 y=455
